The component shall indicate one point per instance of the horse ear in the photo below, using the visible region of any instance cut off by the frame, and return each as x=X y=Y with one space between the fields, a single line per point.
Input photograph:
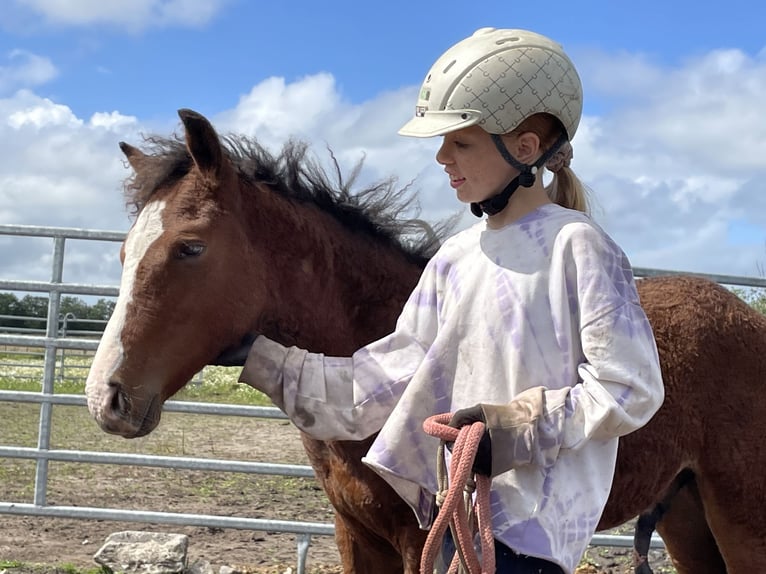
x=136 y=158
x=202 y=141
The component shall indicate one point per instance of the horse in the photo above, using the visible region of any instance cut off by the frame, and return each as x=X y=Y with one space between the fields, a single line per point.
x=230 y=240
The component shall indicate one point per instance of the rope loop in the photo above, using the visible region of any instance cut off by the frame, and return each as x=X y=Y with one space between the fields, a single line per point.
x=459 y=510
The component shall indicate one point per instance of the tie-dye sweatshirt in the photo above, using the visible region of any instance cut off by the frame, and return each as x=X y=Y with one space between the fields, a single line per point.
x=549 y=301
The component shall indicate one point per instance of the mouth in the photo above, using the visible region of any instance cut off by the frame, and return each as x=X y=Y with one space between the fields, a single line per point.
x=456 y=182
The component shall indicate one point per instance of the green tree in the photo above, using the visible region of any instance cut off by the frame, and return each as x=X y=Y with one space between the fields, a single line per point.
x=75 y=306
x=37 y=306
x=756 y=298
x=102 y=309
x=33 y=306
x=8 y=304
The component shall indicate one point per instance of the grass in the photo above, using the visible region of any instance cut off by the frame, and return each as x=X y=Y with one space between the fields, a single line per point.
x=65 y=568
x=213 y=384
x=179 y=434
x=162 y=489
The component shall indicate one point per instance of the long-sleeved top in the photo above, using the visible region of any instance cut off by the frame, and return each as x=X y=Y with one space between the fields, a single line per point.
x=546 y=301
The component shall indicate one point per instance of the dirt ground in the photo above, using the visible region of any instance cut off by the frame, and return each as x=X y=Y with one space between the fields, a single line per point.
x=54 y=541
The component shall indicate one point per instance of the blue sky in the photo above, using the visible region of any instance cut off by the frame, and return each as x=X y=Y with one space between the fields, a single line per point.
x=139 y=68
x=673 y=142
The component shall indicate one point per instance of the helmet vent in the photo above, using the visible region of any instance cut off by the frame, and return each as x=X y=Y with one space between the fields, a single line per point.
x=446 y=69
x=504 y=40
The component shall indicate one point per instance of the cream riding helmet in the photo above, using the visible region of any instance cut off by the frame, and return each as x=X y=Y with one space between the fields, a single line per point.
x=496 y=79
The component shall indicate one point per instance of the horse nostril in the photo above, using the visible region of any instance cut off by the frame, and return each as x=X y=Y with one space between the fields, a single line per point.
x=119 y=401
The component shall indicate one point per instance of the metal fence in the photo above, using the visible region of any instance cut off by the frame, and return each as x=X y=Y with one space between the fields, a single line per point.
x=54 y=341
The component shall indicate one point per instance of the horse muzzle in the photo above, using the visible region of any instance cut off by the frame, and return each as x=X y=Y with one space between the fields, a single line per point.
x=119 y=412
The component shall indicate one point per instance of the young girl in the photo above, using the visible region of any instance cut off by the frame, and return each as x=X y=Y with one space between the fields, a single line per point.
x=528 y=321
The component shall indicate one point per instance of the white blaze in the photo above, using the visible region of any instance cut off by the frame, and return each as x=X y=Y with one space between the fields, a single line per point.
x=147 y=229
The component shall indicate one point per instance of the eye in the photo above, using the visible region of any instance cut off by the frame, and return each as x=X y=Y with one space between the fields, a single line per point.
x=186 y=249
x=461 y=145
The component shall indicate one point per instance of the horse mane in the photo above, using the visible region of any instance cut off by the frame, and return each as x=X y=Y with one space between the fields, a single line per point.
x=375 y=210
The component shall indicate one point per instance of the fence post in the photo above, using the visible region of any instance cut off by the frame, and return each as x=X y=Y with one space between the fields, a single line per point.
x=64 y=319
x=49 y=372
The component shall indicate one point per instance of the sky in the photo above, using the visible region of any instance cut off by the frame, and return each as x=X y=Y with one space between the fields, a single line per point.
x=672 y=143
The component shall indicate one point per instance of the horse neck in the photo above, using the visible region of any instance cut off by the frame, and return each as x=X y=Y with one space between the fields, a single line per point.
x=335 y=289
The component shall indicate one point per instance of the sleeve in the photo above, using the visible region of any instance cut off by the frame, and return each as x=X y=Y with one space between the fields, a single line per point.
x=346 y=398
x=619 y=382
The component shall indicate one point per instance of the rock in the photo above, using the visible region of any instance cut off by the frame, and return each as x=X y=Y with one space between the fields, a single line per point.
x=200 y=567
x=226 y=570
x=135 y=552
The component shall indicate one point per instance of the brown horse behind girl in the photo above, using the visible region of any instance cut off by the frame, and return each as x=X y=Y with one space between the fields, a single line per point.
x=230 y=241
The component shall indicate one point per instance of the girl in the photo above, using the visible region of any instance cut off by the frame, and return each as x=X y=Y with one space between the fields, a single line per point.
x=528 y=321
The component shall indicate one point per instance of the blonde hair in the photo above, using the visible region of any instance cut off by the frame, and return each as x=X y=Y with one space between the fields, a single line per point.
x=566 y=189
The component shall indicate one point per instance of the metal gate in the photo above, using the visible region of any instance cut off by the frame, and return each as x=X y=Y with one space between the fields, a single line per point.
x=54 y=340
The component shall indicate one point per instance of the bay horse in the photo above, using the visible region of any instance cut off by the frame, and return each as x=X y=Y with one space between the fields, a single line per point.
x=230 y=240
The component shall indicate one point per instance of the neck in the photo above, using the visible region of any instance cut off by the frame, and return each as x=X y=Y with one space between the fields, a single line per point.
x=336 y=290
x=524 y=201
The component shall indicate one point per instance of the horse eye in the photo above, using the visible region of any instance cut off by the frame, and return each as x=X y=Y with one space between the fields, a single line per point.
x=184 y=250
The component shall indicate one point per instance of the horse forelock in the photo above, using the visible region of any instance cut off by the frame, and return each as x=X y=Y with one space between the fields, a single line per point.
x=375 y=210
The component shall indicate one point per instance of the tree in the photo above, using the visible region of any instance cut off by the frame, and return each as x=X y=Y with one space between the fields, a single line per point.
x=756 y=298
x=30 y=307
x=9 y=304
x=102 y=309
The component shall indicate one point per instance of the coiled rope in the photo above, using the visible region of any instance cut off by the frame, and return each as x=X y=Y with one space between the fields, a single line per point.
x=455 y=499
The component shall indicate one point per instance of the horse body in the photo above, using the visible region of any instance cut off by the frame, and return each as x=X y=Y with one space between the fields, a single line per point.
x=224 y=251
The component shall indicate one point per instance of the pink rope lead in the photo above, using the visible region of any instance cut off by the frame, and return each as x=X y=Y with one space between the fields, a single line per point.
x=459 y=517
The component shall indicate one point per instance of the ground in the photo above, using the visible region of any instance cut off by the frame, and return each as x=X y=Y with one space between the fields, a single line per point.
x=73 y=543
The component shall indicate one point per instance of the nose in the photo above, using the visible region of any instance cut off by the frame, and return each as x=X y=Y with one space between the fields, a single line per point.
x=117 y=402
x=116 y=413
x=442 y=155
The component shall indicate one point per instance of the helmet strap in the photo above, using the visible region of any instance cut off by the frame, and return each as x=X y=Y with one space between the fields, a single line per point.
x=526 y=177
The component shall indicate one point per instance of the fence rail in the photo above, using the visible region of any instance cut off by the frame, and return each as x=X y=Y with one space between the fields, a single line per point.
x=51 y=340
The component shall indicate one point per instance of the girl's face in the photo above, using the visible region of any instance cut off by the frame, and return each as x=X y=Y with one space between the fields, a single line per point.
x=475 y=167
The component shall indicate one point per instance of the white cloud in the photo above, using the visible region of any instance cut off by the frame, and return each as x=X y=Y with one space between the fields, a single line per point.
x=112 y=120
x=24 y=69
x=676 y=161
x=274 y=110
x=706 y=111
x=59 y=170
x=42 y=113
x=134 y=15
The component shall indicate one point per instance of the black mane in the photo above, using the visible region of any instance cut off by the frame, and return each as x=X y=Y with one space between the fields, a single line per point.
x=375 y=210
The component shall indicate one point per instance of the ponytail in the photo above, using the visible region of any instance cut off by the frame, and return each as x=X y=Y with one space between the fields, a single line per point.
x=568 y=191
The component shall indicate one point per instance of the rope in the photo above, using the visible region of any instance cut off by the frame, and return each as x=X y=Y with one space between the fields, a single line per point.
x=459 y=517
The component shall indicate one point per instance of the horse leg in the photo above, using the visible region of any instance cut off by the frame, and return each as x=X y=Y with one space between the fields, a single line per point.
x=360 y=554
x=647 y=522
x=687 y=536
x=737 y=516
x=642 y=537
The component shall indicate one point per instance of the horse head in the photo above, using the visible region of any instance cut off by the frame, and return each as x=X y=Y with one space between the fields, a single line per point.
x=230 y=240
x=187 y=244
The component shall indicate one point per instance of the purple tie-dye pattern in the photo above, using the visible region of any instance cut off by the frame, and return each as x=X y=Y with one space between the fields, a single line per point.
x=424 y=298
x=531 y=536
x=572 y=400
x=541 y=239
x=388 y=453
x=520 y=323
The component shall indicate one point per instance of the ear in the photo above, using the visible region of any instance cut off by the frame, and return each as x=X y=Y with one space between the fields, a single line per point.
x=202 y=141
x=528 y=147
x=136 y=158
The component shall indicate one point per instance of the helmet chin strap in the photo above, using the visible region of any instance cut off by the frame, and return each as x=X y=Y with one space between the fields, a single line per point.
x=526 y=178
